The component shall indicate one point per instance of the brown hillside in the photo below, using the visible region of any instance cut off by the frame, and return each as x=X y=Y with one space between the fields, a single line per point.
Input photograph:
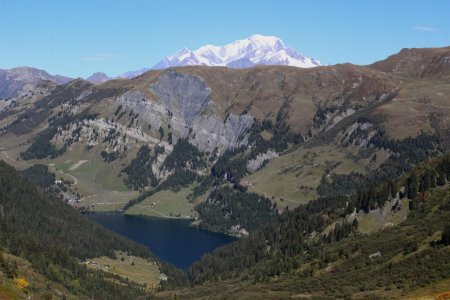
x=264 y=90
x=425 y=63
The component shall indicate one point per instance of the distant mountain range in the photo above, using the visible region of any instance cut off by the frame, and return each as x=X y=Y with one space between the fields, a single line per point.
x=98 y=77
x=14 y=80
x=254 y=50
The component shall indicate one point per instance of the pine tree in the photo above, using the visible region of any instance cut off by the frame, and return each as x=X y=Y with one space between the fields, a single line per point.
x=441 y=178
x=432 y=176
x=445 y=238
x=412 y=186
x=161 y=133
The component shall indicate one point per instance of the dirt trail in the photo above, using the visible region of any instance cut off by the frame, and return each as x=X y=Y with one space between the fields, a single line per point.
x=102 y=194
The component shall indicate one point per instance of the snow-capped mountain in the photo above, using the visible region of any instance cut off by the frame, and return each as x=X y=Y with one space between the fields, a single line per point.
x=254 y=50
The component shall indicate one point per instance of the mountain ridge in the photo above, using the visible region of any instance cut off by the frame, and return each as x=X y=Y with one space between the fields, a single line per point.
x=15 y=79
x=220 y=111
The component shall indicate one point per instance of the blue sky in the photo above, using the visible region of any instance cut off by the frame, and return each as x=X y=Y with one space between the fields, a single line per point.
x=77 y=38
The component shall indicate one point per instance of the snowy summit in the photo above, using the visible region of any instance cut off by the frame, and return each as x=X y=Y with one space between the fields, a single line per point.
x=254 y=50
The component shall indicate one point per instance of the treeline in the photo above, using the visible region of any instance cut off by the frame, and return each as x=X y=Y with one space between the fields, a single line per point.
x=372 y=197
x=109 y=156
x=182 y=162
x=178 y=179
x=341 y=231
x=281 y=136
x=232 y=164
x=405 y=154
x=414 y=187
x=41 y=146
x=420 y=181
x=340 y=184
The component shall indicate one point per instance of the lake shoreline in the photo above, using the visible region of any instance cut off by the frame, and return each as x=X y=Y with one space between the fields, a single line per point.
x=186 y=218
x=173 y=240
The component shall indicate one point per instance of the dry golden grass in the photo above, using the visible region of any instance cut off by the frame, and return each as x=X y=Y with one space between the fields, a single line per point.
x=165 y=204
x=292 y=179
x=137 y=269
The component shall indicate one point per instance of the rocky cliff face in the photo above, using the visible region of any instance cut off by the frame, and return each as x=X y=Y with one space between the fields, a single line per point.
x=183 y=107
x=210 y=132
x=254 y=165
x=150 y=113
x=184 y=96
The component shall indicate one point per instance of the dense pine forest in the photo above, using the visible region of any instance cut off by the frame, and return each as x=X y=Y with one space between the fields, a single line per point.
x=55 y=238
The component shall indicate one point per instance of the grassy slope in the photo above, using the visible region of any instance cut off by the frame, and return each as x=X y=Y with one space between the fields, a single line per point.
x=164 y=204
x=381 y=218
x=98 y=183
x=292 y=179
x=137 y=269
x=418 y=104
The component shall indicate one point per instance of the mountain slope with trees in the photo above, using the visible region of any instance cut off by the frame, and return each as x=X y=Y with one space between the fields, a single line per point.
x=296 y=255
x=55 y=239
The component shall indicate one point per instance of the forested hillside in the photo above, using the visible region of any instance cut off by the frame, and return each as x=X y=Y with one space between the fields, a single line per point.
x=55 y=239
x=318 y=250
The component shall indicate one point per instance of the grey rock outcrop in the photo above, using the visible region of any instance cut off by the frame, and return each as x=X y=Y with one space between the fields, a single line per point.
x=211 y=132
x=150 y=112
x=183 y=95
x=183 y=104
x=254 y=165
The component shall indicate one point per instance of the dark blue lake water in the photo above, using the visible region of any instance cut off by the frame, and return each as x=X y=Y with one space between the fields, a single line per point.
x=172 y=240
